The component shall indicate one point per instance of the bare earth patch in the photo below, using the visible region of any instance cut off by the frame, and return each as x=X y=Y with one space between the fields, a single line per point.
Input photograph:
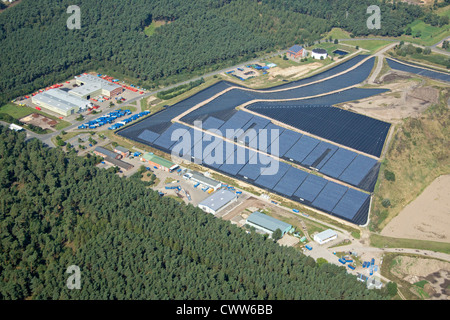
x=295 y=71
x=406 y=99
x=435 y=272
x=425 y=218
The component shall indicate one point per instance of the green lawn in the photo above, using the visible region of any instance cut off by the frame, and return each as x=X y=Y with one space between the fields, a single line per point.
x=371 y=45
x=338 y=33
x=149 y=30
x=429 y=34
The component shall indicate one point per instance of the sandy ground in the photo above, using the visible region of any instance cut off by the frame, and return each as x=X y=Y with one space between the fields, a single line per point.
x=406 y=99
x=436 y=273
x=427 y=217
x=39 y=120
x=295 y=71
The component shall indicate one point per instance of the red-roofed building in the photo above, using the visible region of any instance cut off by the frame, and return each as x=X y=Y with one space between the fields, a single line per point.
x=296 y=52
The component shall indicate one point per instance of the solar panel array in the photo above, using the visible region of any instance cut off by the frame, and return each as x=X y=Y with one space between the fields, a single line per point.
x=269 y=172
x=419 y=71
x=268 y=169
x=350 y=129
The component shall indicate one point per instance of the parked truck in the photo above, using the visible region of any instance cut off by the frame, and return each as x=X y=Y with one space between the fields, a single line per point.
x=308 y=247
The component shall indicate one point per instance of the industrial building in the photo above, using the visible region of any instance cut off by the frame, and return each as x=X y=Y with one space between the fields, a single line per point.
x=157 y=162
x=207 y=182
x=267 y=223
x=325 y=236
x=90 y=86
x=217 y=201
x=102 y=152
x=121 y=150
x=119 y=163
x=60 y=102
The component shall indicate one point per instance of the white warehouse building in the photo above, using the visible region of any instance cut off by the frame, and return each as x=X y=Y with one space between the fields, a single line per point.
x=325 y=236
x=60 y=101
x=91 y=86
x=217 y=201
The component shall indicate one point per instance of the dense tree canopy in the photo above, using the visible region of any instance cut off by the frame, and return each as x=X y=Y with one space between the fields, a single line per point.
x=38 y=49
x=58 y=210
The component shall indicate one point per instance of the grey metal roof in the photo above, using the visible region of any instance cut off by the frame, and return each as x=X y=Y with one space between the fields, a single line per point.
x=92 y=83
x=268 y=222
x=106 y=152
x=60 y=99
x=218 y=199
x=326 y=234
x=121 y=149
x=204 y=180
x=119 y=163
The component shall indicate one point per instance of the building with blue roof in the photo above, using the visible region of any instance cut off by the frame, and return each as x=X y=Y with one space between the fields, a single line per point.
x=267 y=223
x=296 y=52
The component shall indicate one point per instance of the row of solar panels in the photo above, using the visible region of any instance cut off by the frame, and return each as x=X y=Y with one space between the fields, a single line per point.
x=261 y=170
x=327 y=158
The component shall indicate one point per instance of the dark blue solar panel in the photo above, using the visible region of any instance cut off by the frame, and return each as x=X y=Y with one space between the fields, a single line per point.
x=148 y=136
x=237 y=121
x=321 y=153
x=302 y=148
x=165 y=140
x=235 y=158
x=310 y=188
x=255 y=165
x=212 y=123
x=204 y=151
x=272 y=134
x=287 y=139
x=338 y=162
x=271 y=175
x=350 y=204
x=183 y=146
x=420 y=71
x=357 y=170
x=330 y=196
x=290 y=181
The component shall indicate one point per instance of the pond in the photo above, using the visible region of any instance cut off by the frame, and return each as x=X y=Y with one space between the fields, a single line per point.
x=340 y=52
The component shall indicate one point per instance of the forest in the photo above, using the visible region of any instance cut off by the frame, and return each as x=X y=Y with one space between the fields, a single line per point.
x=57 y=210
x=39 y=50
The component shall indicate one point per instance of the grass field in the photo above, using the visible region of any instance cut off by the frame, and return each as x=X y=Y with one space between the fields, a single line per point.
x=338 y=33
x=389 y=242
x=150 y=30
x=371 y=45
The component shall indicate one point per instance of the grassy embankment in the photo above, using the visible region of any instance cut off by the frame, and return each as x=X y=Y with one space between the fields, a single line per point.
x=419 y=153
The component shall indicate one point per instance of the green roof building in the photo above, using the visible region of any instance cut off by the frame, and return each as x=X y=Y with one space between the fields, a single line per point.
x=157 y=162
